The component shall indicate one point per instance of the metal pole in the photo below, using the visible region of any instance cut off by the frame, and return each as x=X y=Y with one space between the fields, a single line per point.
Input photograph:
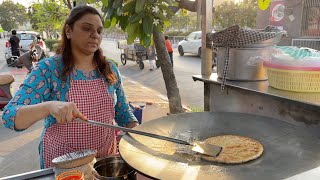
x=206 y=26
x=206 y=63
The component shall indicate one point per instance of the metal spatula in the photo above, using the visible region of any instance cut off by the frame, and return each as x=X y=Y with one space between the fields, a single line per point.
x=197 y=146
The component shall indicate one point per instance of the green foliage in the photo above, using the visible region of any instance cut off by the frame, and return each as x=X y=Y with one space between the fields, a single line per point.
x=48 y=15
x=180 y=23
x=137 y=17
x=178 y=33
x=11 y=15
x=229 y=13
x=51 y=43
x=196 y=109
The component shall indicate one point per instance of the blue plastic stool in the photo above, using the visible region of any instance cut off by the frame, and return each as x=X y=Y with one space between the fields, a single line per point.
x=137 y=111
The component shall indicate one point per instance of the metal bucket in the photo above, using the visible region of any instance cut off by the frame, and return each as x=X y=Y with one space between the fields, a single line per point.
x=113 y=167
x=244 y=63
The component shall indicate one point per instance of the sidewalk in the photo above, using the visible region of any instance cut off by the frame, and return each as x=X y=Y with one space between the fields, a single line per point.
x=155 y=104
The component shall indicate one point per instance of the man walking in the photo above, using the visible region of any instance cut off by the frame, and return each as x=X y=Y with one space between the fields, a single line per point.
x=15 y=41
x=169 y=48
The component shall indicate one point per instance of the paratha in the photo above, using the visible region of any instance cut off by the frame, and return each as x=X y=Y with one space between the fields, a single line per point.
x=235 y=149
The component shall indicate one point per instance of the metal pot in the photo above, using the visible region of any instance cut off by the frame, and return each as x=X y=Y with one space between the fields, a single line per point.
x=113 y=168
x=244 y=63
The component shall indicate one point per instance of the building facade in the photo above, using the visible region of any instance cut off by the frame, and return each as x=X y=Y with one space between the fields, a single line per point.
x=300 y=18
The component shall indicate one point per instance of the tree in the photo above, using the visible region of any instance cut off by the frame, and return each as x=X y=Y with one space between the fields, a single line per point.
x=68 y=3
x=229 y=13
x=180 y=23
x=145 y=19
x=11 y=15
x=48 y=16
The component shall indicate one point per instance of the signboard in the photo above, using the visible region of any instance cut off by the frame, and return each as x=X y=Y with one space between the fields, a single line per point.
x=277 y=8
x=263 y=4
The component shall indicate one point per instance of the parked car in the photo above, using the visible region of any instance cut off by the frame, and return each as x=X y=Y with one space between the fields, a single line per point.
x=191 y=44
x=26 y=38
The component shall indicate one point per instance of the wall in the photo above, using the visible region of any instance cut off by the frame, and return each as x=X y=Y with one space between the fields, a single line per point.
x=293 y=27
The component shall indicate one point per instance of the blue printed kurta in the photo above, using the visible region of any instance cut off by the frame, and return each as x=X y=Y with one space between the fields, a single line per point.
x=45 y=83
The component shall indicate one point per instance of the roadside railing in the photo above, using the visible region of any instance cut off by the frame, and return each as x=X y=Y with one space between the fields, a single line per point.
x=173 y=39
x=307 y=42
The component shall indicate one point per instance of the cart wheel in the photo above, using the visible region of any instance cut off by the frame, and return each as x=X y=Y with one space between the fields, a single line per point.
x=158 y=63
x=123 y=59
x=141 y=65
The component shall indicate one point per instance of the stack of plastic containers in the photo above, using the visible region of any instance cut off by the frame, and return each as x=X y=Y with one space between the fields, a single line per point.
x=294 y=69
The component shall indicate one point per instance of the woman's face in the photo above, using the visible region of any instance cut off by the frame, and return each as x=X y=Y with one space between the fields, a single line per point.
x=86 y=34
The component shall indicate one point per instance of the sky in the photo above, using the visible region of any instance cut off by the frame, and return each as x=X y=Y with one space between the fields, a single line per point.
x=26 y=3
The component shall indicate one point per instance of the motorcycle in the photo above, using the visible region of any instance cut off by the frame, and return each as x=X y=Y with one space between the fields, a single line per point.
x=28 y=58
x=9 y=57
x=5 y=94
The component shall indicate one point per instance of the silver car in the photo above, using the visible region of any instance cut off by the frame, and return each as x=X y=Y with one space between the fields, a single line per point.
x=191 y=44
x=26 y=38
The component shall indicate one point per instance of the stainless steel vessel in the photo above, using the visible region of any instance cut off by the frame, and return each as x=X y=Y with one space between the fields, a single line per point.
x=244 y=63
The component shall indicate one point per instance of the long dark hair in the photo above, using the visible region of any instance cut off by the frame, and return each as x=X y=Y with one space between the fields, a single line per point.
x=65 y=46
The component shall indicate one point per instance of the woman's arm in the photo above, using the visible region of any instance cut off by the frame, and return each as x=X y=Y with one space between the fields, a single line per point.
x=63 y=112
x=123 y=115
x=25 y=108
x=26 y=116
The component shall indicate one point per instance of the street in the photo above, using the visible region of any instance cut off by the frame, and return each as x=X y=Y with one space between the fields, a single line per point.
x=19 y=151
x=184 y=67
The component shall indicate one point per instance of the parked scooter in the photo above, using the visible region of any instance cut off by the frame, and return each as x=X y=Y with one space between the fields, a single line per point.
x=5 y=94
x=8 y=55
x=27 y=59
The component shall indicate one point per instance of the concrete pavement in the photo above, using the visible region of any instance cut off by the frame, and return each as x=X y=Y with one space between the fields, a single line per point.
x=19 y=151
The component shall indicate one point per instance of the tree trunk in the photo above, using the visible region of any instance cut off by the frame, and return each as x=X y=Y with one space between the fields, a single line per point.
x=67 y=3
x=167 y=73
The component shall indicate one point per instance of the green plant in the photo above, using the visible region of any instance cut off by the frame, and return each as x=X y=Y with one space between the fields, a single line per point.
x=196 y=109
x=52 y=44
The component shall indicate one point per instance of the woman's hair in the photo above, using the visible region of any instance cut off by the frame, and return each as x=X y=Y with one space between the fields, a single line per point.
x=65 y=45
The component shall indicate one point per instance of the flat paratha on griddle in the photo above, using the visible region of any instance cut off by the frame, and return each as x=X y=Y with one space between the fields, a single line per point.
x=235 y=149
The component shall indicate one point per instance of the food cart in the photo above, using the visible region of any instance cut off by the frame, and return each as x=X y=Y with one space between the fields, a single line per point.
x=134 y=52
x=286 y=123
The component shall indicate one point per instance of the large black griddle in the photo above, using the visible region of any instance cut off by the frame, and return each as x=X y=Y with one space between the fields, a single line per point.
x=288 y=150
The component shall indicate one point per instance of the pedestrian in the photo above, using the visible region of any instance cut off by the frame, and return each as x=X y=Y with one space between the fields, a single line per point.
x=15 y=43
x=76 y=83
x=151 y=55
x=169 y=49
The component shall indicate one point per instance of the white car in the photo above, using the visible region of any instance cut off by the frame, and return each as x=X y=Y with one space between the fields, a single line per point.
x=191 y=44
x=26 y=38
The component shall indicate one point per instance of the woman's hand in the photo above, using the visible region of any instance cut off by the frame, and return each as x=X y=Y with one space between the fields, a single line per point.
x=64 y=112
x=132 y=124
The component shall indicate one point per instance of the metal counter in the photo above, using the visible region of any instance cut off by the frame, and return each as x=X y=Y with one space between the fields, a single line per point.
x=47 y=174
x=257 y=97
x=43 y=174
x=264 y=88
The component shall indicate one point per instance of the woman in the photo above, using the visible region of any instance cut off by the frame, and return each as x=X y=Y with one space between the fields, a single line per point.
x=76 y=83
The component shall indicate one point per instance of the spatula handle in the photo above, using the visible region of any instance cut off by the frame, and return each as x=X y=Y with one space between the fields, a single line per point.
x=134 y=131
